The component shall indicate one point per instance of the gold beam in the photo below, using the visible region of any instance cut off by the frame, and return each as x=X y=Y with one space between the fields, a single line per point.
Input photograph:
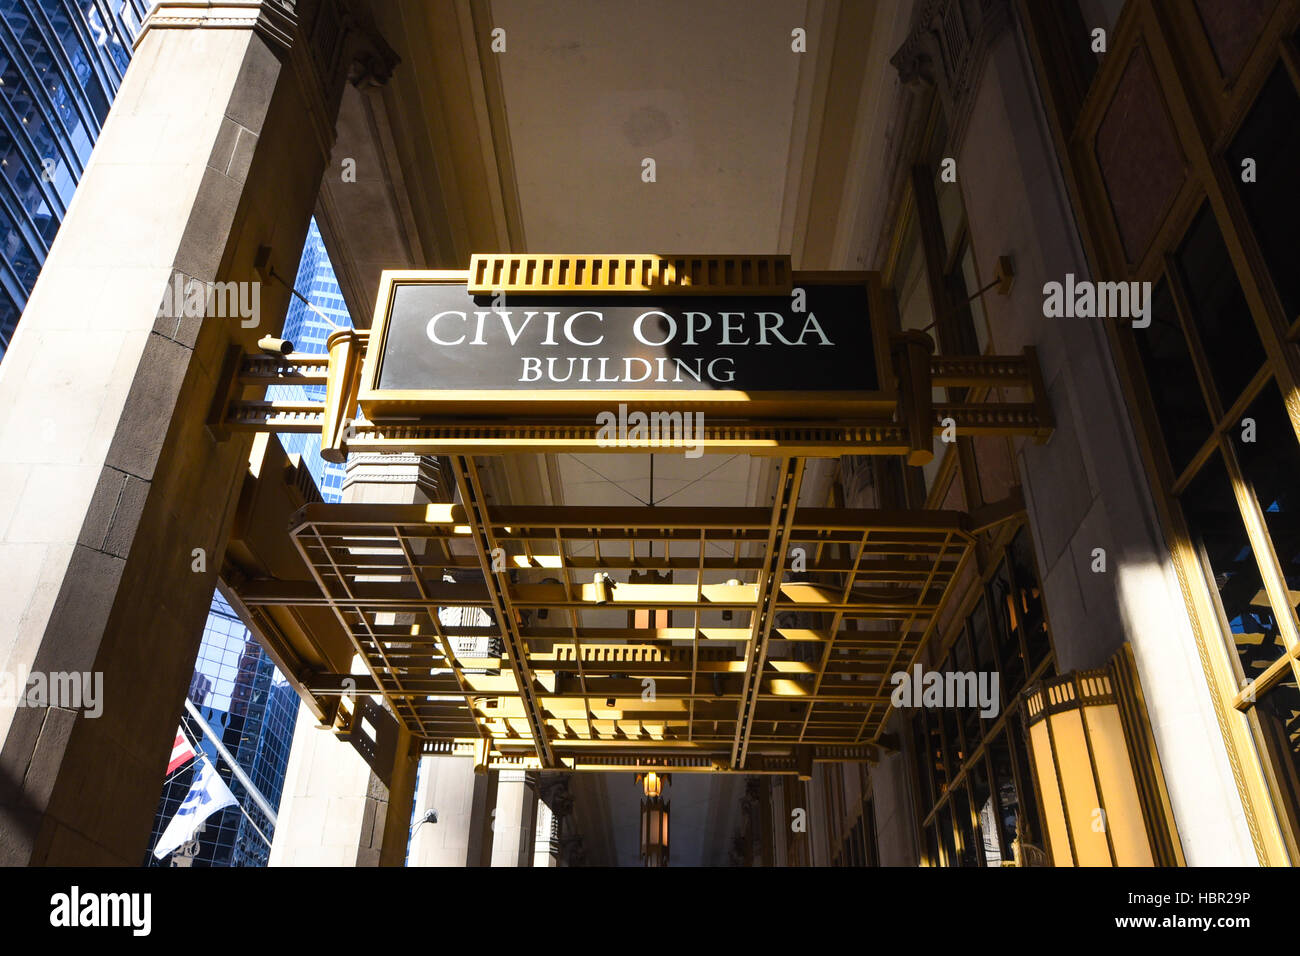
x=471 y=496
x=769 y=586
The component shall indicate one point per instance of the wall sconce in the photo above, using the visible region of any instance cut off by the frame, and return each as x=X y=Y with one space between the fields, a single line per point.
x=1080 y=726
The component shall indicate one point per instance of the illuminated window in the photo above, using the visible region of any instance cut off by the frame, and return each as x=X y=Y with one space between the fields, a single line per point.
x=1230 y=446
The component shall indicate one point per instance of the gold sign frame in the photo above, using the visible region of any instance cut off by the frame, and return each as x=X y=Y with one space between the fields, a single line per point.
x=381 y=405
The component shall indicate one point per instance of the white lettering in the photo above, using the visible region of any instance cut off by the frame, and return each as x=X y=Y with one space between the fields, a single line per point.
x=432 y=329
x=568 y=329
x=668 y=337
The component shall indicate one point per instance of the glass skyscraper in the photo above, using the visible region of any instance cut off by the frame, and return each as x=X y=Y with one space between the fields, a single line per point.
x=236 y=687
x=61 y=64
x=307 y=327
x=246 y=701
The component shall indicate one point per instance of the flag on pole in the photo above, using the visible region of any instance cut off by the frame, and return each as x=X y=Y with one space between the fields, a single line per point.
x=208 y=794
x=181 y=752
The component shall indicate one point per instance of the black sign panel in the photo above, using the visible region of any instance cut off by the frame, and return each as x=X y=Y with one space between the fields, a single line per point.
x=439 y=337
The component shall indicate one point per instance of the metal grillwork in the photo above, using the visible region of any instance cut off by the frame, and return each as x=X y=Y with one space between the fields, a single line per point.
x=512 y=628
x=718 y=435
x=756 y=640
x=695 y=275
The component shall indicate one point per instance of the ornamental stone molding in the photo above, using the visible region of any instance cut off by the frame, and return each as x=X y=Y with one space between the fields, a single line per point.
x=946 y=50
x=275 y=20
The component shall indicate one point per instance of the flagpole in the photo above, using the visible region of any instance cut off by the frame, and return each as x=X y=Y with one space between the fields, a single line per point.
x=201 y=754
x=235 y=768
x=200 y=751
x=251 y=822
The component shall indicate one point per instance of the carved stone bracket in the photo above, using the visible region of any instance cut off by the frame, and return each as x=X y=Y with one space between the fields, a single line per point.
x=370 y=60
x=946 y=50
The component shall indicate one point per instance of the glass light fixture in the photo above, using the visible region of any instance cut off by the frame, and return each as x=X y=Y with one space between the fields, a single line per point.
x=654 y=819
x=1091 y=804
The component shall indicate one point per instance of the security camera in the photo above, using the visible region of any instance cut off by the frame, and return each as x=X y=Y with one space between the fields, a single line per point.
x=273 y=346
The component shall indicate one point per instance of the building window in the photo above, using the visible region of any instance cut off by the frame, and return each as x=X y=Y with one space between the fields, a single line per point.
x=1270 y=137
x=871 y=848
x=1233 y=457
x=1166 y=202
x=976 y=792
x=1220 y=418
x=933 y=274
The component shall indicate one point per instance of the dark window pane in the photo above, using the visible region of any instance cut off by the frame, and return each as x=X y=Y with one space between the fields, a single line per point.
x=1030 y=823
x=1271 y=464
x=987 y=844
x=1279 y=717
x=954 y=752
x=978 y=623
x=924 y=762
x=1179 y=406
x=968 y=854
x=1006 y=632
x=959 y=327
x=1219 y=308
x=1271 y=137
x=1029 y=598
x=943 y=821
x=932 y=754
x=970 y=714
x=940 y=768
x=1215 y=524
x=1004 y=789
x=869 y=832
x=9 y=313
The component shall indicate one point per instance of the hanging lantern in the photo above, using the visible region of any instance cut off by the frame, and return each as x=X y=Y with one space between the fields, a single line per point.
x=654 y=820
x=652 y=785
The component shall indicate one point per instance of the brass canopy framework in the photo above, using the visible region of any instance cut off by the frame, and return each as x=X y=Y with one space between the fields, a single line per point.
x=754 y=639
x=799 y=672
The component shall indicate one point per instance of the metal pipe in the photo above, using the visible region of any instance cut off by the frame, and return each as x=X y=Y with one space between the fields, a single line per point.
x=235 y=768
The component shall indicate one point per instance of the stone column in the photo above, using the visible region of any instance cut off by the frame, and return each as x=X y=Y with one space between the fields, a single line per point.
x=553 y=788
x=115 y=501
x=780 y=826
x=479 y=852
x=334 y=811
x=514 y=820
x=324 y=803
x=446 y=787
x=543 y=852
